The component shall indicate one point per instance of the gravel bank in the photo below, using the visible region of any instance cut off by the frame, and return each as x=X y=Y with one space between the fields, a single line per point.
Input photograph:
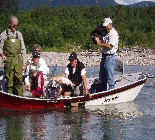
x=130 y=56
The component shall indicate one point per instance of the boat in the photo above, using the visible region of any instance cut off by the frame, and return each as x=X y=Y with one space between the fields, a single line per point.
x=127 y=87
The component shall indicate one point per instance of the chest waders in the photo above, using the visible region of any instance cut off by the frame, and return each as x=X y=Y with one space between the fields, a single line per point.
x=13 y=65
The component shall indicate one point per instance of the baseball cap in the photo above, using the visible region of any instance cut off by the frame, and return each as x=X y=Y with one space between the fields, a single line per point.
x=72 y=56
x=35 y=55
x=107 y=21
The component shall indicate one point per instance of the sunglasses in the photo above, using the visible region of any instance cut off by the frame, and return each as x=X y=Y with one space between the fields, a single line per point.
x=36 y=50
x=71 y=60
x=15 y=25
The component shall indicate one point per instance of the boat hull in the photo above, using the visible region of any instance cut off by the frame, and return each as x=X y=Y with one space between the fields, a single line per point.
x=121 y=94
x=16 y=102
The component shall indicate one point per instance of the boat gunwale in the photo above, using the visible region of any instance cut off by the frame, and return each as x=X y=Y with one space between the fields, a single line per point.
x=84 y=98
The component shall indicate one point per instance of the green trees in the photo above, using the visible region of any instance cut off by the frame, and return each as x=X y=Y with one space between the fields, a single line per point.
x=7 y=7
x=69 y=28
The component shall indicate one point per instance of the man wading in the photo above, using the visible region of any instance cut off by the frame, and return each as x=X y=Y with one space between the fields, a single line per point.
x=11 y=50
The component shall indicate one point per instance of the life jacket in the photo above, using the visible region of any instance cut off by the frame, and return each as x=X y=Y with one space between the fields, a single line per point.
x=39 y=85
x=76 y=77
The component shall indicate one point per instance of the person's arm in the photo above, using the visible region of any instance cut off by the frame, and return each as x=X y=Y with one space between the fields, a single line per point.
x=106 y=45
x=66 y=72
x=27 y=82
x=23 y=48
x=44 y=65
x=85 y=84
x=83 y=75
x=2 y=36
x=28 y=61
x=3 y=56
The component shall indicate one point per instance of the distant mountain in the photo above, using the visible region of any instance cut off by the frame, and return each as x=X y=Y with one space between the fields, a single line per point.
x=30 y=4
x=102 y=3
x=143 y=4
x=130 y=2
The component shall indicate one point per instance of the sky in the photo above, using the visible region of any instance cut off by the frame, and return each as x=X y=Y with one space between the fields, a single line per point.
x=128 y=2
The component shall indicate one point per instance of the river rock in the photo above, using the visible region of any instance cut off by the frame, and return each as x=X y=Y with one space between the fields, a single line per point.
x=130 y=56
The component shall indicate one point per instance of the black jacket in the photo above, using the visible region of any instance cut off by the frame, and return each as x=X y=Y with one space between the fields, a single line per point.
x=76 y=77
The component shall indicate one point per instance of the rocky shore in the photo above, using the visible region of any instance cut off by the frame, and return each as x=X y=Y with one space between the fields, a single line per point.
x=130 y=56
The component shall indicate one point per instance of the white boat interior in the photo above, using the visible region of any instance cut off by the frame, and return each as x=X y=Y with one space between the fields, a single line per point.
x=120 y=80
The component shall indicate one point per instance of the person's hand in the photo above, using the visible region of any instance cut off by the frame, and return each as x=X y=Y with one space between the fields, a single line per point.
x=87 y=93
x=3 y=57
x=60 y=82
x=24 y=66
x=28 y=87
x=34 y=74
x=97 y=39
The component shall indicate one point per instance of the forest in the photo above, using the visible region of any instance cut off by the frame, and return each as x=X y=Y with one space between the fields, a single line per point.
x=66 y=29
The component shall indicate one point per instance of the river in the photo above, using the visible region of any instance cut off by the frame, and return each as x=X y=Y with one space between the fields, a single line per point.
x=125 y=121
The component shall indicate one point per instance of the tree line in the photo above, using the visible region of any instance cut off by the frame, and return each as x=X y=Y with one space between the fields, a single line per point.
x=67 y=29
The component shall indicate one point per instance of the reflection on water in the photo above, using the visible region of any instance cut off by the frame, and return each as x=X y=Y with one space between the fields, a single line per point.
x=34 y=127
x=93 y=122
x=108 y=121
x=127 y=110
x=125 y=121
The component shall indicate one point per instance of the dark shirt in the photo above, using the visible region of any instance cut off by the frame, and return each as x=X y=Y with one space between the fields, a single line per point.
x=76 y=77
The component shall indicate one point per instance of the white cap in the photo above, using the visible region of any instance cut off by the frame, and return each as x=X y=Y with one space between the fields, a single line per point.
x=107 y=21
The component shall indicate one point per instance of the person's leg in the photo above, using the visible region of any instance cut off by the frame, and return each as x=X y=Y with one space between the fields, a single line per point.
x=59 y=91
x=67 y=93
x=9 y=73
x=81 y=89
x=110 y=63
x=102 y=75
x=18 y=85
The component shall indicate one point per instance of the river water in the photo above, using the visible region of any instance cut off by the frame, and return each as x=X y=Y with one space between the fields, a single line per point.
x=125 y=121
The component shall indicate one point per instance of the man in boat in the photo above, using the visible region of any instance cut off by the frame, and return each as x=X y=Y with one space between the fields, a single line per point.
x=12 y=49
x=109 y=47
x=76 y=72
x=36 y=74
x=36 y=48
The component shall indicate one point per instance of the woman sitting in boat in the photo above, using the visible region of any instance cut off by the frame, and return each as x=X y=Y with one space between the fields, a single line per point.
x=35 y=76
x=36 y=48
x=75 y=72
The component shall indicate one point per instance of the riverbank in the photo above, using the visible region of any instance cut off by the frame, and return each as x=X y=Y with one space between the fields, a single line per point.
x=130 y=56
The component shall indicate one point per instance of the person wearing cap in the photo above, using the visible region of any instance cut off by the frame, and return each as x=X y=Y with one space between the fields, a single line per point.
x=36 y=48
x=76 y=72
x=12 y=48
x=32 y=70
x=109 y=48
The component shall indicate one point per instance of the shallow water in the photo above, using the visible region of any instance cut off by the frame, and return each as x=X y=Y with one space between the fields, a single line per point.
x=126 y=121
